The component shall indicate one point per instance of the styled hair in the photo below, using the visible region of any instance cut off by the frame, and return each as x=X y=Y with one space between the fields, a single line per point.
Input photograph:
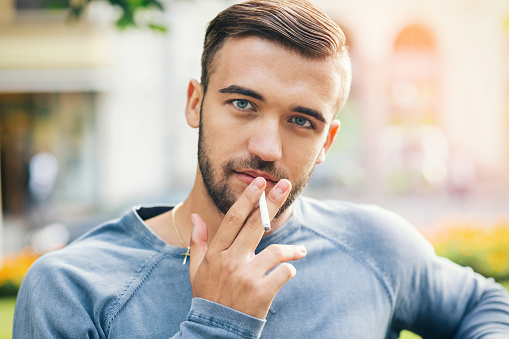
x=298 y=25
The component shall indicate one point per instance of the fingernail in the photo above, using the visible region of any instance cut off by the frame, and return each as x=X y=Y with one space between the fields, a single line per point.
x=282 y=186
x=258 y=183
x=302 y=249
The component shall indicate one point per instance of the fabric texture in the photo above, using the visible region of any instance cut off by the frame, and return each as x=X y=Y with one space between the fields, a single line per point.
x=367 y=274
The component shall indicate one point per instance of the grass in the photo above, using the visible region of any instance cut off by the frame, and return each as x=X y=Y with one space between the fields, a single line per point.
x=6 y=314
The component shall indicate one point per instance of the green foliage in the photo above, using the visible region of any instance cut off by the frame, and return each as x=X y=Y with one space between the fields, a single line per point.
x=9 y=289
x=56 y=4
x=128 y=10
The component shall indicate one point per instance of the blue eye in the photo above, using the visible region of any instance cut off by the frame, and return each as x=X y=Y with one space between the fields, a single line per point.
x=301 y=121
x=242 y=104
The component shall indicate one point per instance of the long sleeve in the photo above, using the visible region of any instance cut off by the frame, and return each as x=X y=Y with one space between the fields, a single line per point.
x=47 y=307
x=437 y=298
x=50 y=306
x=455 y=302
x=207 y=319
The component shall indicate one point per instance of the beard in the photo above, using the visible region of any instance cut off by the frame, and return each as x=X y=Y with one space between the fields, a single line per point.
x=216 y=181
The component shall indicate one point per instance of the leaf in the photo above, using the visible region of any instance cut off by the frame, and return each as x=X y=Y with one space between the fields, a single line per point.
x=128 y=9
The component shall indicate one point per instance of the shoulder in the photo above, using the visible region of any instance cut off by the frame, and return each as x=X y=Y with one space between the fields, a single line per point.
x=358 y=222
x=385 y=240
x=87 y=263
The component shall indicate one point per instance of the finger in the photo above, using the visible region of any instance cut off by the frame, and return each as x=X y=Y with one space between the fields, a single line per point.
x=198 y=245
x=277 y=196
x=275 y=254
x=251 y=233
x=278 y=277
x=236 y=217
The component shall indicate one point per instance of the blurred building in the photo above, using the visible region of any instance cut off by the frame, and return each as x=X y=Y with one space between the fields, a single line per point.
x=430 y=93
x=428 y=113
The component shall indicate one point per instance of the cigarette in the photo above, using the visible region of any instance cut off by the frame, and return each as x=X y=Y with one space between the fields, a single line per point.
x=264 y=213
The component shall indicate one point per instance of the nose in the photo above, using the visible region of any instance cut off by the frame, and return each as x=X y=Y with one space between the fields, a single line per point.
x=265 y=141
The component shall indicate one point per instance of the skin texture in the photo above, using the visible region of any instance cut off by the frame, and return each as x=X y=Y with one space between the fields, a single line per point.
x=266 y=120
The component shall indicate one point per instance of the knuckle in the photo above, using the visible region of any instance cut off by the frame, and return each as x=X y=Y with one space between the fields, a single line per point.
x=209 y=258
x=287 y=270
x=229 y=265
x=193 y=242
x=276 y=200
x=250 y=284
x=275 y=250
x=232 y=217
x=253 y=223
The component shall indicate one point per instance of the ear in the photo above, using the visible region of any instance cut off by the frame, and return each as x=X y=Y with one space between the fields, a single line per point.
x=193 y=105
x=333 y=131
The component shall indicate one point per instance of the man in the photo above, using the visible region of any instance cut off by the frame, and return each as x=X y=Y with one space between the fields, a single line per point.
x=274 y=75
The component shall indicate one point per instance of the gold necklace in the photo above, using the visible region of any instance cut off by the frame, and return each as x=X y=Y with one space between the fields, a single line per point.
x=187 y=254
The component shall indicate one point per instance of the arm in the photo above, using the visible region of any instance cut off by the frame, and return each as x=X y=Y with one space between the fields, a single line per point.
x=437 y=298
x=460 y=303
x=52 y=303
x=48 y=307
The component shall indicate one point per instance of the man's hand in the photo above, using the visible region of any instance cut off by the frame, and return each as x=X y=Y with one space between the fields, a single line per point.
x=228 y=272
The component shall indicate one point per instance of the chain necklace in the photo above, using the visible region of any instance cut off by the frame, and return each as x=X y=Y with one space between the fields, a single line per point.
x=188 y=253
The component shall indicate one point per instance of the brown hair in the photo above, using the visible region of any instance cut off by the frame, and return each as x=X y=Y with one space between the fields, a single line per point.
x=295 y=24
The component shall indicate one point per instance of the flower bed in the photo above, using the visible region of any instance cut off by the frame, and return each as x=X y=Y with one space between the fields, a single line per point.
x=484 y=247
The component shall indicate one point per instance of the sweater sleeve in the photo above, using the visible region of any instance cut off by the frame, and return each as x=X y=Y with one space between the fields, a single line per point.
x=437 y=298
x=455 y=302
x=50 y=306
x=46 y=307
x=207 y=319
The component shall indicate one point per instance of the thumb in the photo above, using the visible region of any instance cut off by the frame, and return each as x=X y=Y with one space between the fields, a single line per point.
x=199 y=238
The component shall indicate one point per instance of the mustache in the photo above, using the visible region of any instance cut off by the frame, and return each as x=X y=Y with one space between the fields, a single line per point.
x=256 y=163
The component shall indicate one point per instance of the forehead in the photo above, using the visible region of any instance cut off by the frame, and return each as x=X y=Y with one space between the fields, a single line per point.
x=278 y=72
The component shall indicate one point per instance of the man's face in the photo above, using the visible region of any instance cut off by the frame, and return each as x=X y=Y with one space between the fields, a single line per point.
x=267 y=112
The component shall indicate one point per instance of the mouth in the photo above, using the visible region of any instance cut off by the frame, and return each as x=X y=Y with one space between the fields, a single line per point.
x=248 y=175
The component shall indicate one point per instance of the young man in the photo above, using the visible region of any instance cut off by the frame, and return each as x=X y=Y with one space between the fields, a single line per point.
x=274 y=75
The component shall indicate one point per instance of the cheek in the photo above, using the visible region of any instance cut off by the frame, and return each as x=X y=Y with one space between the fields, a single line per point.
x=223 y=133
x=302 y=160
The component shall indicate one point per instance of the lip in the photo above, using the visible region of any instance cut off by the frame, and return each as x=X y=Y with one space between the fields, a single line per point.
x=249 y=175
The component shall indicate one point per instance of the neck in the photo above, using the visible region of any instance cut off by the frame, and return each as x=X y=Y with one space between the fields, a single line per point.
x=200 y=202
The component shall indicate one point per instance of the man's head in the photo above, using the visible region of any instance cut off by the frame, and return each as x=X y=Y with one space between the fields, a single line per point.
x=295 y=24
x=275 y=73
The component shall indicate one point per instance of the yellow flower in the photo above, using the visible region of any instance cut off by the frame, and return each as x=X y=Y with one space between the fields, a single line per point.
x=15 y=266
x=484 y=247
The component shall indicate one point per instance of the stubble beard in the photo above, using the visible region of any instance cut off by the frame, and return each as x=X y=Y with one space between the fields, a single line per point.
x=216 y=183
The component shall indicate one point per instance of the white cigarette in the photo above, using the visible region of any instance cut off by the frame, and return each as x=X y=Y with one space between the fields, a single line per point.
x=264 y=213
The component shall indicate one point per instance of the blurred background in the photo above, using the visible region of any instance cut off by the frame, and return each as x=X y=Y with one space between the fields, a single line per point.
x=92 y=116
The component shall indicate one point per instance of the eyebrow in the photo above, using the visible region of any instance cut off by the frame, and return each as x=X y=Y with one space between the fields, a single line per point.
x=311 y=112
x=234 y=89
